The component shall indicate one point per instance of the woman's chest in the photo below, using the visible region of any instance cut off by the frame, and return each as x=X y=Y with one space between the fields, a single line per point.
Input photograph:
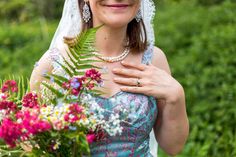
x=108 y=86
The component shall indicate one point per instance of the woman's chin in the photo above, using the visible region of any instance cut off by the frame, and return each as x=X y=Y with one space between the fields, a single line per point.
x=117 y=23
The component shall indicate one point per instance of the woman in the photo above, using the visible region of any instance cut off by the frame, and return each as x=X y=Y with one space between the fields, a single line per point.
x=138 y=75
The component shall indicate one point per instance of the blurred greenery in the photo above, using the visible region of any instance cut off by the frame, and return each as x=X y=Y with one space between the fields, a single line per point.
x=198 y=37
x=199 y=42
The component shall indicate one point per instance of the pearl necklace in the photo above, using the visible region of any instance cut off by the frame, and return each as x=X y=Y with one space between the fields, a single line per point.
x=113 y=59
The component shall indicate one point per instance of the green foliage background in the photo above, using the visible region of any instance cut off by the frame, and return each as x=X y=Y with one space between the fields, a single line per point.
x=198 y=37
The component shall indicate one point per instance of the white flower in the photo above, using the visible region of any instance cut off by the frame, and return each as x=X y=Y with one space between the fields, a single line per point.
x=2 y=114
x=1 y=95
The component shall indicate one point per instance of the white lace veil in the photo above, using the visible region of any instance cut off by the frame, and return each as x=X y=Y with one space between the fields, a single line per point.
x=71 y=22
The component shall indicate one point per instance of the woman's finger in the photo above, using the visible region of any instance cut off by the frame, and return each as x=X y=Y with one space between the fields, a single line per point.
x=141 y=67
x=126 y=81
x=128 y=72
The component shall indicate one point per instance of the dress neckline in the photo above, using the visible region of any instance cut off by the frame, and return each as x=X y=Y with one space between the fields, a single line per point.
x=112 y=96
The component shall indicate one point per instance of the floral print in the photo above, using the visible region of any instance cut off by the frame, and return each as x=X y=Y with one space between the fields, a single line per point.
x=134 y=139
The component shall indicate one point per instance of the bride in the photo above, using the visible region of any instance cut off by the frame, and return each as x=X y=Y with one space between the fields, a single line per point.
x=136 y=74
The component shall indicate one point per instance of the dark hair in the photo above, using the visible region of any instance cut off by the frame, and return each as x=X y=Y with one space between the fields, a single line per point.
x=136 y=32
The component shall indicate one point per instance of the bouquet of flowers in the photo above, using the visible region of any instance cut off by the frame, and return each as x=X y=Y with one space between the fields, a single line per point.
x=62 y=120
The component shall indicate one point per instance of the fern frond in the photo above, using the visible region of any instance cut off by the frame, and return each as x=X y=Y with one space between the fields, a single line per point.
x=80 y=54
x=56 y=80
x=53 y=90
x=86 y=56
x=84 y=61
x=65 y=69
x=74 y=61
x=69 y=66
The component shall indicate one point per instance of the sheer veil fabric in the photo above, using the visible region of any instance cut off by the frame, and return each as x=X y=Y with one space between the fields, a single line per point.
x=71 y=23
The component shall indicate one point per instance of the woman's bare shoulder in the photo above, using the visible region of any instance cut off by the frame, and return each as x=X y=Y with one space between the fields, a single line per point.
x=159 y=60
x=44 y=65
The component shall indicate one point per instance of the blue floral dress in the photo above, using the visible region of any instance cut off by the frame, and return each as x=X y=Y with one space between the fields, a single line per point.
x=134 y=139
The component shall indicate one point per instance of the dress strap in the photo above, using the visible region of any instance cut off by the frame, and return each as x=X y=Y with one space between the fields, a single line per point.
x=148 y=55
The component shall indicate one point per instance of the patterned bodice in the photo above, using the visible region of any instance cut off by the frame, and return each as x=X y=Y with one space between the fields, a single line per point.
x=134 y=139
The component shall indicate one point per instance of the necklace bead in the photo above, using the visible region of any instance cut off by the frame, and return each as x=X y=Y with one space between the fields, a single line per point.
x=113 y=59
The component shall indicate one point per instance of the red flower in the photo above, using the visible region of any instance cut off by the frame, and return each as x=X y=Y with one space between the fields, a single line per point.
x=30 y=100
x=66 y=85
x=90 y=86
x=75 y=108
x=74 y=113
x=75 y=85
x=93 y=74
x=8 y=106
x=9 y=85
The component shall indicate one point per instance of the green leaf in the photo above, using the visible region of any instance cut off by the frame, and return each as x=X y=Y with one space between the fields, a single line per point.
x=69 y=66
x=58 y=77
x=53 y=90
x=65 y=69
x=86 y=61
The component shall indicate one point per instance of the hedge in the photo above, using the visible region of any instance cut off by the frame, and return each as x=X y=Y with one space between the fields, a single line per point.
x=200 y=45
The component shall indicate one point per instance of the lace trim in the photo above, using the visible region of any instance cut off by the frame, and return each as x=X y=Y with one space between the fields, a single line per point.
x=148 y=13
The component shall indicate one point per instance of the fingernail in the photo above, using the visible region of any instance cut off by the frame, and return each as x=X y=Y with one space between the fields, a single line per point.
x=115 y=70
x=123 y=62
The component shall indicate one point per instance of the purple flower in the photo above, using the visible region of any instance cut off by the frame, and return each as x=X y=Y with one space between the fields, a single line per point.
x=75 y=83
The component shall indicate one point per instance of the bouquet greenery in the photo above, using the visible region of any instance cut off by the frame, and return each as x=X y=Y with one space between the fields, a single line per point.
x=65 y=119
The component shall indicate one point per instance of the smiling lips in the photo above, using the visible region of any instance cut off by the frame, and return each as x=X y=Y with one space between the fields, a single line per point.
x=117 y=6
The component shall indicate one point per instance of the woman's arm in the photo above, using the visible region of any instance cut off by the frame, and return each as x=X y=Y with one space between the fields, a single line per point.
x=172 y=126
x=44 y=65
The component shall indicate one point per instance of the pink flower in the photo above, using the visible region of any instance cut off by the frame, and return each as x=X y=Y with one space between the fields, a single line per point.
x=10 y=132
x=27 y=124
x=58 y=125
x=3 y=96
x=10 y=85
x=66 y=85
x=75 y=108
x=30 y=100
x=90 y=138
x=31 y=123
x=74 y=113
x=72 y=118
x=90 y=86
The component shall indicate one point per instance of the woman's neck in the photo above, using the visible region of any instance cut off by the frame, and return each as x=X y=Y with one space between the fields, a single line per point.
x=110 y=41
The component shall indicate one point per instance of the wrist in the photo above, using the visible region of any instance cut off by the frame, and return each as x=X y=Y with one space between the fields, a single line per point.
x=177 y=95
